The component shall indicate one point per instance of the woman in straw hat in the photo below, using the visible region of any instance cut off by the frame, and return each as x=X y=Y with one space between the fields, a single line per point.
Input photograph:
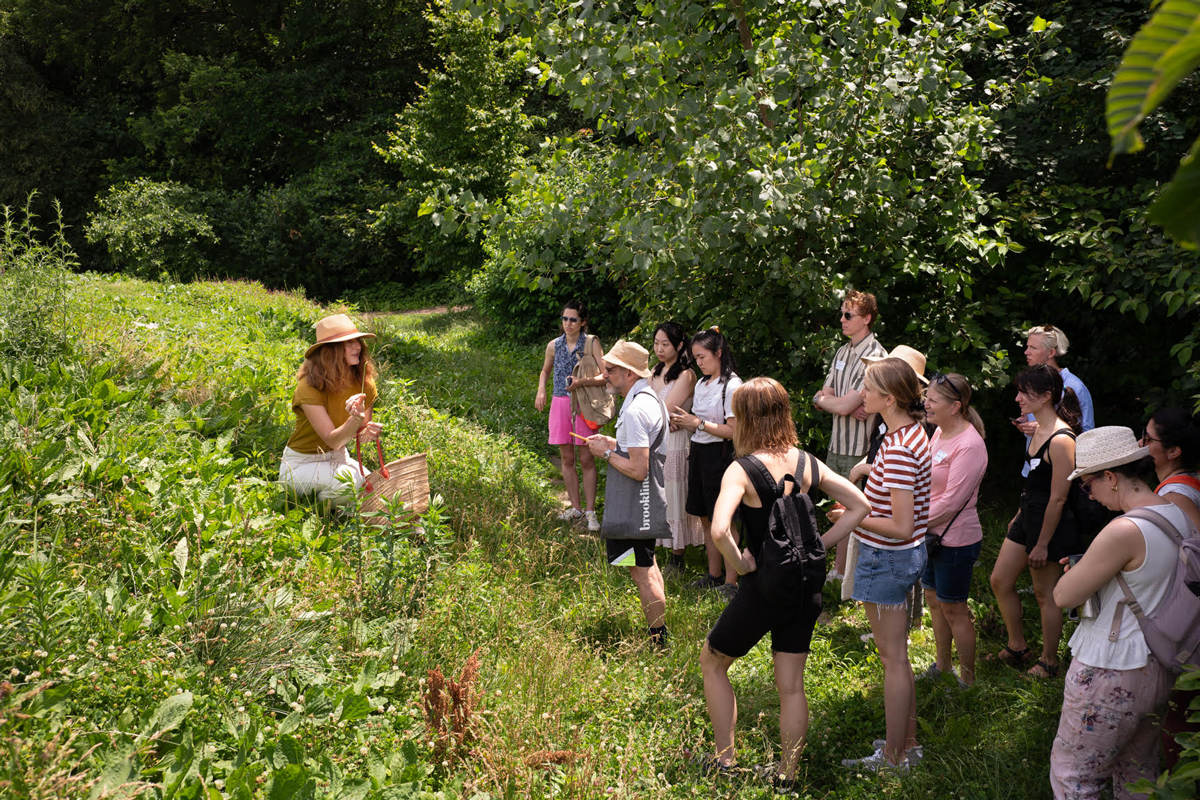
x=335 y=392
x=1115 y=690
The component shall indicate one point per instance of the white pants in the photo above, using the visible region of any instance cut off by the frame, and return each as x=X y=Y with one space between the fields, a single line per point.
x=320 y=472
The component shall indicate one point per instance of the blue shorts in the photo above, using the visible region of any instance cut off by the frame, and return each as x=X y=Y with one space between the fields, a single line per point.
x=948 y=572
x=883 y=577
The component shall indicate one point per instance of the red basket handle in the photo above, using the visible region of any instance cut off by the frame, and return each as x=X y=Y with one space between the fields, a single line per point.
x=383 y=470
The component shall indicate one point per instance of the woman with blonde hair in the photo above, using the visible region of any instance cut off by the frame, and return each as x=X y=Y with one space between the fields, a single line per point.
x=335 y=394
x=957 y=465
x=891 y=556
x=765 y=442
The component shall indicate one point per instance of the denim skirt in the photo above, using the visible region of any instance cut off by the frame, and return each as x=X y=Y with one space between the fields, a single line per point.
x=883 y=577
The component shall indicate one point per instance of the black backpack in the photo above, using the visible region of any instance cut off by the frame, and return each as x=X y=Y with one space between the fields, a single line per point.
x=791 y=562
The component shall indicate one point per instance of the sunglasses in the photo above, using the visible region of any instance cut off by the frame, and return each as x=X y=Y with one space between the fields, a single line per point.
x=850 y=315
x=944 y=380
x=570 y=319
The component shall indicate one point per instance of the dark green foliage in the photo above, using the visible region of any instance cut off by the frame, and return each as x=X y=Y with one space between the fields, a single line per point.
x=34 y=281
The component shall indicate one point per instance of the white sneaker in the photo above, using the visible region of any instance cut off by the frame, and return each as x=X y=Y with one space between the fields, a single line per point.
x=914 y=754
x=876 y=762
x=568 y=514
x=593 y=524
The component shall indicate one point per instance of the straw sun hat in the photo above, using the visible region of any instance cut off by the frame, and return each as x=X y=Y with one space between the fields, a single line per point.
x=337 y=328
x=1100 y=448
x=914 y=358
x=631 y=356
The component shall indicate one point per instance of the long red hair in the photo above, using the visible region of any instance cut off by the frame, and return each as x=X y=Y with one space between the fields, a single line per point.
x=326 y=370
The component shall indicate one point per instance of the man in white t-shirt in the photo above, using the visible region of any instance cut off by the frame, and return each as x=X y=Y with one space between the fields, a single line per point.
x=635 y=499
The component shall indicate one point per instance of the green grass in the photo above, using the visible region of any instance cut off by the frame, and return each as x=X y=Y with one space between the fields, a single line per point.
x=164 y=425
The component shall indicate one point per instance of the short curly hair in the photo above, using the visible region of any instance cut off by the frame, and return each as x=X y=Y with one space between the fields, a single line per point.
x=864 y=304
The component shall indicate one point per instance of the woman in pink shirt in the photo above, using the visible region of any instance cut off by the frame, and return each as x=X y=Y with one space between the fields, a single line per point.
x=959 y=460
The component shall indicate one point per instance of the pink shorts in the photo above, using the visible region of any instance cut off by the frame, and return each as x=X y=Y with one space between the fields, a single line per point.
x=560 y=422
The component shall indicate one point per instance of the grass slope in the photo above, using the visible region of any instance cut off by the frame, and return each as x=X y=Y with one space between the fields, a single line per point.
x=171 y=629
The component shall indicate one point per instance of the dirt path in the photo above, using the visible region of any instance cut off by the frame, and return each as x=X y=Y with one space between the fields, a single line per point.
x=434 y=310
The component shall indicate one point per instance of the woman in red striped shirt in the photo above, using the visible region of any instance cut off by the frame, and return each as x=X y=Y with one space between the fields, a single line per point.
x=891 y=556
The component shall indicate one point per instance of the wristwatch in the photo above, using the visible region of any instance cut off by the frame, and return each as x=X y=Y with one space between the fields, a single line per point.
x=608 y=454
x=700 y=427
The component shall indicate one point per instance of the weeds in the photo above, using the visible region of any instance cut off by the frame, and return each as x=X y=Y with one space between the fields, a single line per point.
x=450 y=712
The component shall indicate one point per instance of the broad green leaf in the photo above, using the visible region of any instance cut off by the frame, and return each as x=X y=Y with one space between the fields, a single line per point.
x=1038 y=25
x=290 y=723
x=1165 y=50
x=354 y=706
x=169 y=714
x=286 y=782
x=1177 y=208
x=181 y=558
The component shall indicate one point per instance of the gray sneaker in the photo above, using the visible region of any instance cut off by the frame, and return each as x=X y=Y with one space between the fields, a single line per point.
x=593 y=524
x=877 y=762
x=914 y=754
x=728 y=591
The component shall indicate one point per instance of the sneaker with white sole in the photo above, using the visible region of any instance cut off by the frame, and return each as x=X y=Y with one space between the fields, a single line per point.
x=593 y=524
x=934 y=673
x=914 y=753
x=876 y=762
x=569 y=514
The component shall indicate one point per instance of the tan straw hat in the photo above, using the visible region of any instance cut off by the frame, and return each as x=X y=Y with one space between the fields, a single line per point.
x=914 y=358
x=1100 y=448
x=337 y=328
x=631 y=356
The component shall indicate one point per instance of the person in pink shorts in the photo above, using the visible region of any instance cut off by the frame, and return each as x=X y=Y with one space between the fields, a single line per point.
x=562 y=354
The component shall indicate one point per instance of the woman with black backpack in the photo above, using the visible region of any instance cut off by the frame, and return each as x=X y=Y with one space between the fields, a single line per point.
x=765 y=440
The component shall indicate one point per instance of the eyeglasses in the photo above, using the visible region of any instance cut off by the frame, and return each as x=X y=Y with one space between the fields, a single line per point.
x=1085 y=483
x=850 y=315
x=571 y=320
x=944 y=380
x=1146 y=437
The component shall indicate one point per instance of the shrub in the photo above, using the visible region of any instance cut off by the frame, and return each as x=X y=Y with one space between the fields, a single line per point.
x=34 y=281
x=152 y=228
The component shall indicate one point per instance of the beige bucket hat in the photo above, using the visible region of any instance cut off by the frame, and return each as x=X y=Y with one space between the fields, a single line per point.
x=631 y=356
x=914 y=358
x=1100 y=448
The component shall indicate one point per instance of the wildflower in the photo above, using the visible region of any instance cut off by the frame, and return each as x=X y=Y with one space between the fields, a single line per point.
x=40 y=654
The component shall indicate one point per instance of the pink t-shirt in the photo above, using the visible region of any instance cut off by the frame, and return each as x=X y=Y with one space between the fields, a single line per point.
x=958 y=467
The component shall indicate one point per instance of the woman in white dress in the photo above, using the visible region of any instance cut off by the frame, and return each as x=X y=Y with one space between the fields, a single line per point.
x=675 y=382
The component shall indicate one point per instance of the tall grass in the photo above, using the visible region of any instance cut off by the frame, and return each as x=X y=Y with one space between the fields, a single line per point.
x=144 y=459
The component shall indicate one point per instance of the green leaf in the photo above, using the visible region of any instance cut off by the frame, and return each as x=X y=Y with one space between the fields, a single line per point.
x=1177 y=208
x=1165 y=50
x=290 y=723
x=181 y=558
x=1038 y=25
x=354 y=706
x=286 y=782
x=169 y=714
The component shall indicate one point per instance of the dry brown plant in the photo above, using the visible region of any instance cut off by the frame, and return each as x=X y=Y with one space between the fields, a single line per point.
x=450 y=711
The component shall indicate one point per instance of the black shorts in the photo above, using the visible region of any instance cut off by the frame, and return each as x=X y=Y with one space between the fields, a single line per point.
x=706 y=466
x=1066 y=540
x=749 y=617
x=618 y=552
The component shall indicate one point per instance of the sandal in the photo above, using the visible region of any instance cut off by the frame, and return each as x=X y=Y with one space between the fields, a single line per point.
x=1014 y=658
x=1043 y=671
x=711 y=766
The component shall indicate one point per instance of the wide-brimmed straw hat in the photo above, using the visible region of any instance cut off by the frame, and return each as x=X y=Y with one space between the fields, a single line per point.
x=914 y=358
x=337 y=328
x=631 y=356
x=1100 y=448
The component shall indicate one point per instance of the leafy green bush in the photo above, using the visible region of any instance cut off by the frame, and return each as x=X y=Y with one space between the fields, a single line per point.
x=154 y=229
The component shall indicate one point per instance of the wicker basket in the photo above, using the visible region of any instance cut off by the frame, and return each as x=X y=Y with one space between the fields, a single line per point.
x=408 y=481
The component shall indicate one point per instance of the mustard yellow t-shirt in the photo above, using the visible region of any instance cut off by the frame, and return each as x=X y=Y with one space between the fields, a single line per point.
x=305 y=439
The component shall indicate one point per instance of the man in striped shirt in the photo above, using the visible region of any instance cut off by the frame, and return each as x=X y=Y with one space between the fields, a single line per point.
x=840 y=395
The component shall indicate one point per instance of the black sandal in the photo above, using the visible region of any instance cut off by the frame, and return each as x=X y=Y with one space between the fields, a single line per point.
x=1050 y=670
x=1014 y=658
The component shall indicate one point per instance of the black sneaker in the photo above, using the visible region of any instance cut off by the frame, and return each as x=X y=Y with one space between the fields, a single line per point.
x=708 y=582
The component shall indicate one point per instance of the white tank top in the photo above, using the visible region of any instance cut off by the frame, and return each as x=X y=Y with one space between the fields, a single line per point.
x=1149 y=584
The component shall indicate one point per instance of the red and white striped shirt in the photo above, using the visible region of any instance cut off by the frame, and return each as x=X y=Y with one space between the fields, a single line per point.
x=903 y=462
